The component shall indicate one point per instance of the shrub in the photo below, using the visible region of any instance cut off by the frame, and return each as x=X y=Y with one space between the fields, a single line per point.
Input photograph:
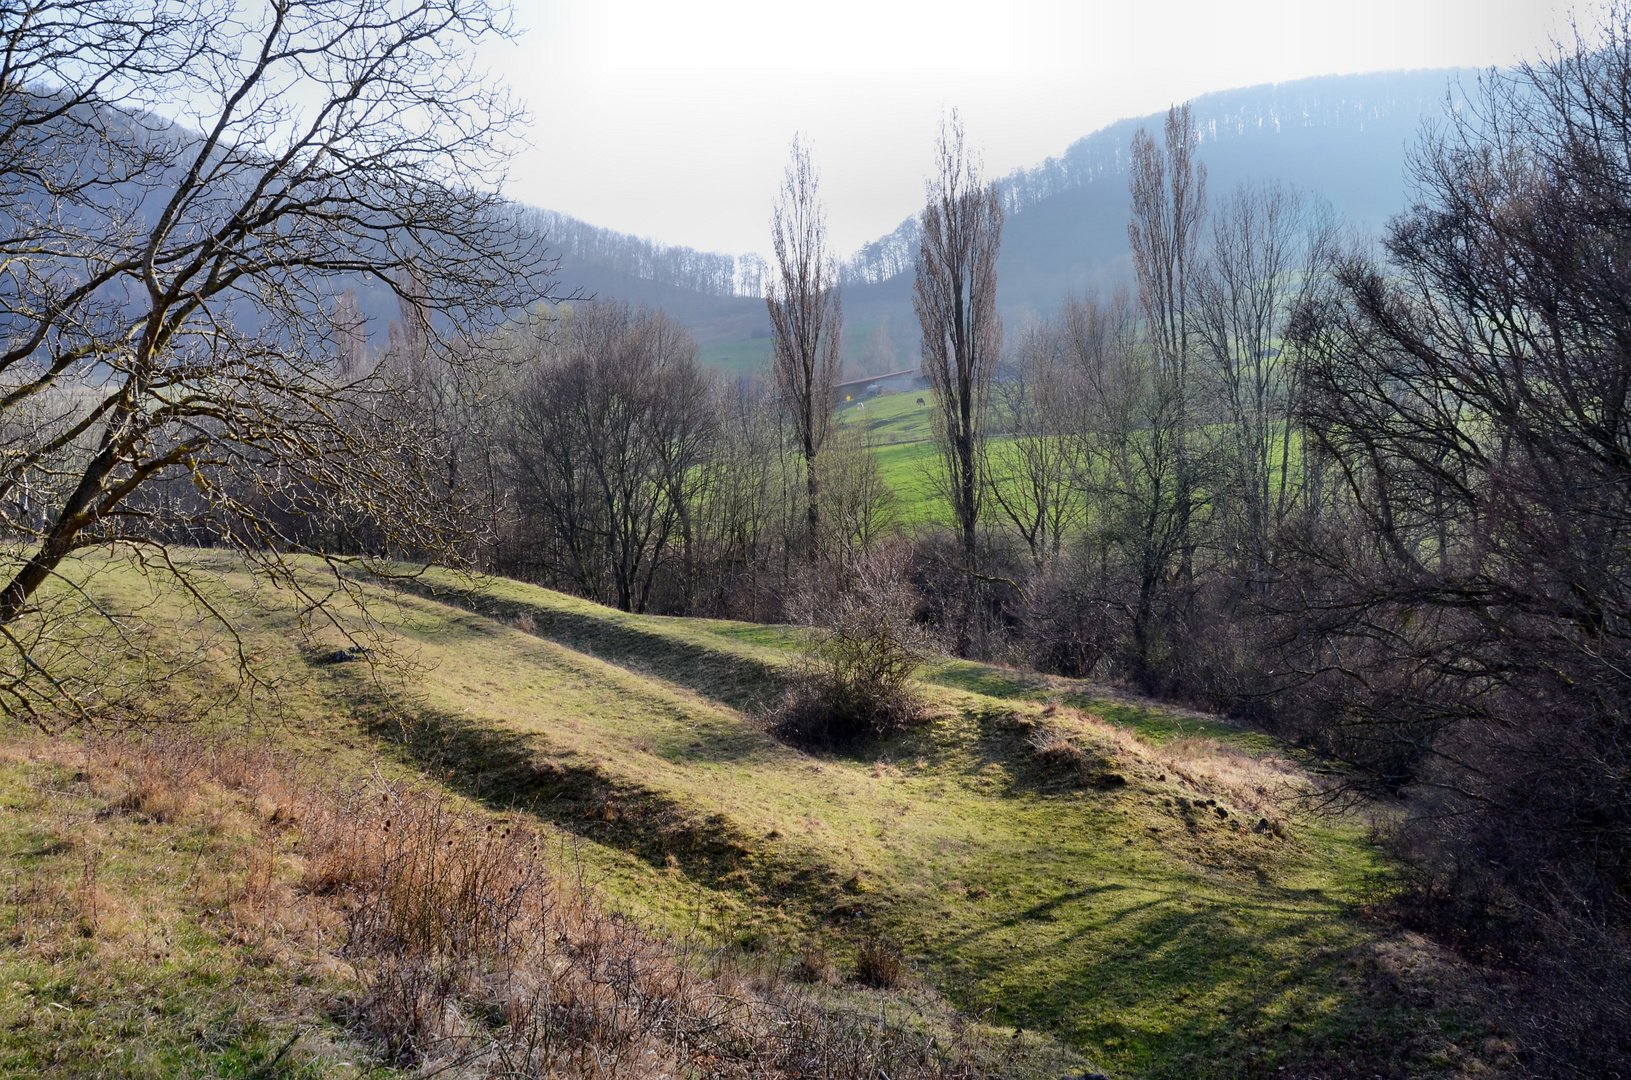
x=1067 y=626
x=1056 y=753
x=856 y=679
x=881 y=964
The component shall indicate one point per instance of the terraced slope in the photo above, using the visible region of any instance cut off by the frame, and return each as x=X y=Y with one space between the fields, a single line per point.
x=1127 y=880
x=1150 y=901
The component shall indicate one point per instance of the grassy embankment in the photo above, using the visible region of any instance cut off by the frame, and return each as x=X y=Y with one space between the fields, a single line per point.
x=1137 y=888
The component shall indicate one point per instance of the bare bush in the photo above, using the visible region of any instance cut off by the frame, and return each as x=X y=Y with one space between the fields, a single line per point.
x=1069 y=624
x=856 y=679
x=881 y=964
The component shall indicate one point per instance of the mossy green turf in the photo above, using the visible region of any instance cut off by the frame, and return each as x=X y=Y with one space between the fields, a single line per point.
x=1157 y=944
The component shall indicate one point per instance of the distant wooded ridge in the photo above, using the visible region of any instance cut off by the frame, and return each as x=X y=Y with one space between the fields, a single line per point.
x=1342 y=138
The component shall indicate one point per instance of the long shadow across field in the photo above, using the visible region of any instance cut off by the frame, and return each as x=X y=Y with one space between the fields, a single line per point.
x=643 y=644
x=511 y=771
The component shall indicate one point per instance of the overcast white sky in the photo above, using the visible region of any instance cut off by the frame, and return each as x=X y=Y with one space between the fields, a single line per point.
x=672 y=118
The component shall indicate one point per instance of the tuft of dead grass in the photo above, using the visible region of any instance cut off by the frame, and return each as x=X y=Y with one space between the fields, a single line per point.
x=881 y=964
x=814 y=966
x=1056 y=752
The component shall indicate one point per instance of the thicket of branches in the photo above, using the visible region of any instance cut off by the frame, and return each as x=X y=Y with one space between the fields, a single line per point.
x=1463 y=605
x=169 y=349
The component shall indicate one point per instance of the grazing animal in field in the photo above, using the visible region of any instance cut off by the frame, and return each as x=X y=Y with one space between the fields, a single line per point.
x=920 y=401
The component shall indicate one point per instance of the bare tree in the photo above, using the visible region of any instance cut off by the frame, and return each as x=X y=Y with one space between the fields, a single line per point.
x=1139 y=511
x=955 y=296
x=1033 y=477
x=683 y=428
x=1269 y=253
x=857 y=504
x=176 y=323
x=1169 y=199
x=806 y=319
x=609 y=428
x=747 y=505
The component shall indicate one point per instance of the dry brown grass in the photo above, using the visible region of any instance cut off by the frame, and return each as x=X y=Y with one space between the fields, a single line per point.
x=471 y=949
x=1056 y=752
x=1266 y=786
x=814 y=966
x=881 y=964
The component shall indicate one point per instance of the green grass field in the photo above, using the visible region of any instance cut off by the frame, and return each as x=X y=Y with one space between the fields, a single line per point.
x=901 y=438
x=1137 y=910
x=739 y=359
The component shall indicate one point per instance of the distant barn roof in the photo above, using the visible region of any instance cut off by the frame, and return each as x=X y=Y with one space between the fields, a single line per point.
x=870 y=379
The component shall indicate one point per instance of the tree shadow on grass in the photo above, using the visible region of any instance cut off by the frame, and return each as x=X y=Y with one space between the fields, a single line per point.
x=1261 y=986
x=636 y=643
x=510 y=771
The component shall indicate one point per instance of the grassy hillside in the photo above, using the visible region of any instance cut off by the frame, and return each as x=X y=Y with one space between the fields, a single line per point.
x=1136 y=884
x=900 y=431
x=739 y=359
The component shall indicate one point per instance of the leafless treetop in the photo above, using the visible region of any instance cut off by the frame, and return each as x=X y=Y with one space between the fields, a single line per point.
x=804 y=311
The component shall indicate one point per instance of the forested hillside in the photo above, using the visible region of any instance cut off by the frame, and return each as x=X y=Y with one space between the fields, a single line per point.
x=1342 y=139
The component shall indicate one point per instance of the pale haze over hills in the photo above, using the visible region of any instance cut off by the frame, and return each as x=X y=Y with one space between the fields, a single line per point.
x=672 y=121
x=1342 y=139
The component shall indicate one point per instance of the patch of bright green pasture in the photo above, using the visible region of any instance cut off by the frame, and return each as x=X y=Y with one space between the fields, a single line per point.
x=902 y=439
x=910 y=470
x=1159 y=941
x=890 y=418
x=738 y=358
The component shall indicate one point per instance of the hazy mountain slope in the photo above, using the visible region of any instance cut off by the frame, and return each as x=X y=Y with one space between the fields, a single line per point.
x=711 y=317
x=1342 y=138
